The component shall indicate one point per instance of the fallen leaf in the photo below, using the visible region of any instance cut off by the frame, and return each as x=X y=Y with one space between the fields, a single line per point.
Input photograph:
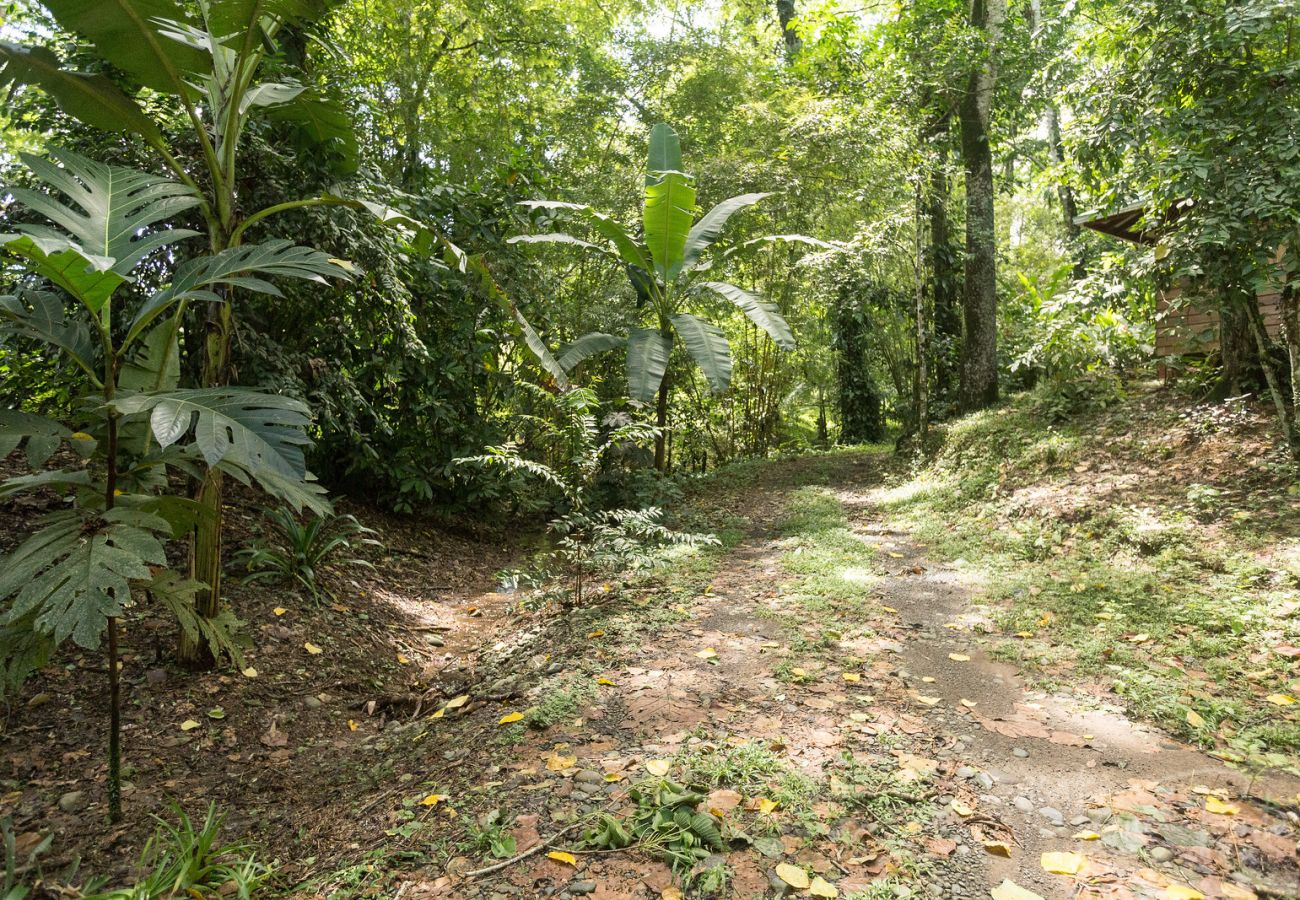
x=1220 y=807
x=708 y=653
x=605 y=681
x=1280 y=699
x=248 y=672
x=279 y=610
x=1026 y=635
x=851 y=676
x=510 y=717
x=433 y=799
x=766 y=806
x=997 y=848
x=1009 y=890
x=969 y=704
x=560 y=856
x=794 y=876
x=961 y=809
x=1087 y=836
x=1062 y=863
x=820 y=887
x=595 y=634
x=189 y=725
x=670 y=893
x=403 y=659
x=798 y=672
x=959 y=657
x=457 y=702
x=613 y=777
x=928 y=701
x=1194 y=719
x=312 y=649
x=889 y=609
x=658 y=767
x=1182 y=892
x=352 y=725
x=557 y=763
x=216 y=713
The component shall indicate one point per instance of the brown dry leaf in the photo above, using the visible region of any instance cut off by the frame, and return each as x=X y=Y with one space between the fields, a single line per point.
x=274 y=737
x=941 y=846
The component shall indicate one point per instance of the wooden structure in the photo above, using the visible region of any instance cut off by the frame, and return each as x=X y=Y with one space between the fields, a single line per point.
x=1191 y=326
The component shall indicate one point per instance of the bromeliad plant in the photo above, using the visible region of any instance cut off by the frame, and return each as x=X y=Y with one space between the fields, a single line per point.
x=667 y=266
x=302 y=547
x=218 y=65
x=588 y=541
x=89 y=563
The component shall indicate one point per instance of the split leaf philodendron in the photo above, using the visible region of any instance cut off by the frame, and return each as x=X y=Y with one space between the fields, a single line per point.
x=667 y=265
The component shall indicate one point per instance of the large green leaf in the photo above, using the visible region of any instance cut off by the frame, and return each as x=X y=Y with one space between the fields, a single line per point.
x=127 y=34
x=647 y=361
x=587 y=345
x=706 y=231
x=665 y=151
x=111 y=210
x=554 y=238
x=92 y=99
x=543 y=353
x=630 y=251
x=89 y=279
x=47 y=320
x=322 y=125
x=72 y=580
x=257 y=431
x=43 y=435
x=156 y=366
x=667 y=214
x=762 y=313
x=232 y=16
x=767 y=239
x=708 y=347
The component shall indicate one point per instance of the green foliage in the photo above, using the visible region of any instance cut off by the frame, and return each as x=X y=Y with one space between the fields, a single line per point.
x=301 y=549
x=489 y=835
x=185 y=858
x=665 y=822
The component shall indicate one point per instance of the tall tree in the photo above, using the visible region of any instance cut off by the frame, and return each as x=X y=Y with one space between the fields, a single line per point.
x=785 y=14
x=979 y=365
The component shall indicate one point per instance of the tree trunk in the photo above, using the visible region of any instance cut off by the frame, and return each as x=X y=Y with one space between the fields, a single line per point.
x=944 y=282
x=661 y=422
x=785 y=14
x=921 y=389
x=979 y=368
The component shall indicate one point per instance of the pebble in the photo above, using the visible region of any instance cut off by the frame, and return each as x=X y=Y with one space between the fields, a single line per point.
x=1160 y=854
x=1020 y=752
x=582 y=887
x=1052 y=815
x=588 y=776
x=965 y=772
x=1024 y=804
x=312 y=702
x=1099 y=814
x=72 y=801
x=984 y=780
x=1080 y=820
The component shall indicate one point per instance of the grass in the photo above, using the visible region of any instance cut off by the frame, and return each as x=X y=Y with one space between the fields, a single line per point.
x=1169 y=594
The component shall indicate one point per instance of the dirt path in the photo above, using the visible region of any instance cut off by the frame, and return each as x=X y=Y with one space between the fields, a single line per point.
x=876 y=747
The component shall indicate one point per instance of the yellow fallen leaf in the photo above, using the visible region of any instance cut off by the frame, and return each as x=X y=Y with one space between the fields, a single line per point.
x=612 y=777
x=433 y=799
x=820 y=887
x=556 y=763
x=851 y=676
x=1087 y=836
x=707 y=653
x=928 y=679
x=402 y=658
x=658 y=767
x=279 y=610
x=889 y=609
x=859 y=717
x=1139 y=638
x=352 y=725
x=510 y=717
x=670 y=893
x=794 y=876
x=312 y=649
x=959 y=657
x=1194 y=719
x=997 y=848
x=605 y=681
x=458 y=702
x=798 y=672
x=560 y=856
x=442 y=711
x=595 y=634
x=1280 y=699
x=1220 y=807
x=1062 y=863
x=1024 y=634
x=248 y=672
x=894 y=555
x=955 y=626
x=961 y=809
x=1105 y=617
x=1009 y=890
x=189 y=725
x=928 y=701
x=766 y=806
x=969 y=704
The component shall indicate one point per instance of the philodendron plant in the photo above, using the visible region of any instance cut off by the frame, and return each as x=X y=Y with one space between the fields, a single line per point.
x=668 y=265
x=90 y=562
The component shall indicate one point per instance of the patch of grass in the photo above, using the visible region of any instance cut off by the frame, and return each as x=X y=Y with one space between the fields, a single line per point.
x=560 y=702
x=835 y=568
x=1134 y=591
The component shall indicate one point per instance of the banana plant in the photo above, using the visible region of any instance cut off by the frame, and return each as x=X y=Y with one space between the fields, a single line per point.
x=668 y=265
x=76 y=575
x=211 y=58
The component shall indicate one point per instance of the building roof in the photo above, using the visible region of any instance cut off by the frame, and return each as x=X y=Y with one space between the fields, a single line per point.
x=1123 y=224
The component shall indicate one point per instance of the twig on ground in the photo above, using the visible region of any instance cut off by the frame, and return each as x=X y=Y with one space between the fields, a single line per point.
x=487 y=870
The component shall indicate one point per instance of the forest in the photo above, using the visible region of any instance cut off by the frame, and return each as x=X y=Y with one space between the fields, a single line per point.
x=661 y=449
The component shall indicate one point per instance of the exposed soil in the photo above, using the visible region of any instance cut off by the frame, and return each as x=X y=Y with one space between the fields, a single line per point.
x=332 y=761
